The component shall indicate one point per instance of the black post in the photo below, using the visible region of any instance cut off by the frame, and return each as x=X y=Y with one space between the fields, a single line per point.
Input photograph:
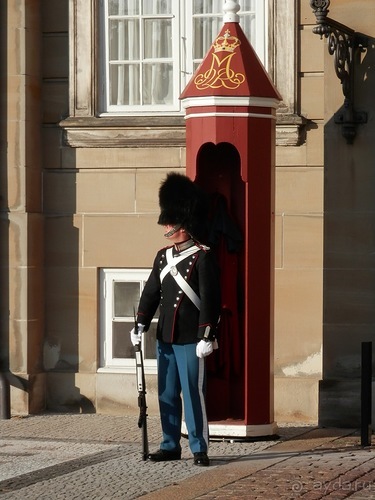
x=4 y=397
x=366 y=399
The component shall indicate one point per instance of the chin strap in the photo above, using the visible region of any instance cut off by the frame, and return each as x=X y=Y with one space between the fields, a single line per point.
x=172 y=231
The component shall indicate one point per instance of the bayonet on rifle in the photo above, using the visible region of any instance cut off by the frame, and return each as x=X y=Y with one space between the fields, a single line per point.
x=141 y=385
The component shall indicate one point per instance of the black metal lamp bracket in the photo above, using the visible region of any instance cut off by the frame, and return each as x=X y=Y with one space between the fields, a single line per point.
x=344 y=44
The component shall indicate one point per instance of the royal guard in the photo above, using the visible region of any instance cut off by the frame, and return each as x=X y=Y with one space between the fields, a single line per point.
x=185 y=284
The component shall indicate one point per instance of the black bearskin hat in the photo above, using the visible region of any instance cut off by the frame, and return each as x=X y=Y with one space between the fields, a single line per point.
x=183 y=202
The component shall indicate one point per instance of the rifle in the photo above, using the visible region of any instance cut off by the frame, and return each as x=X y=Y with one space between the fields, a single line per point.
x=141 y=384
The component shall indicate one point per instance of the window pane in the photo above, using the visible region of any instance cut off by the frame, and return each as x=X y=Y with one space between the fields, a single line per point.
x=247 y=5
x=208 y=7
x=157 y=38
x=207 y=25
x=150 y=340
x=125 y=84
x=157 y=7
x=205 y=32
x=249 y=26
x=124 y=36
x=123 y=7
x=121 y=344
x=126 y=298
x=157 y=84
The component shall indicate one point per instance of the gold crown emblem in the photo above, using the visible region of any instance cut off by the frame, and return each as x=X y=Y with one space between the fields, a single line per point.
x=226 y=43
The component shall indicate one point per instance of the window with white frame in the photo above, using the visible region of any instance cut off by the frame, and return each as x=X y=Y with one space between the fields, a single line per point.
x=120 y=291
x=151 y=48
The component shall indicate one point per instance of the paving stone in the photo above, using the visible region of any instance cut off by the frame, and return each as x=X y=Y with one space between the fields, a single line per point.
x=90 y=456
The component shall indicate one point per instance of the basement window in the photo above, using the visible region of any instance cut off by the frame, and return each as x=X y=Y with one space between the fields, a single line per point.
x=120 y=291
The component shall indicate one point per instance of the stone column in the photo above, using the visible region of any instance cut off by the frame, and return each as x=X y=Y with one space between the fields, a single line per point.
x=21 y=219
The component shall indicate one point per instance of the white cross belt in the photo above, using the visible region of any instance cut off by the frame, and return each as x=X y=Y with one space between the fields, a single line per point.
x=172 y=269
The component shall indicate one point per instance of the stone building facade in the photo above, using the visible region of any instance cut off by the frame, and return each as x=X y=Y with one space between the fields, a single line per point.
x=78 y=198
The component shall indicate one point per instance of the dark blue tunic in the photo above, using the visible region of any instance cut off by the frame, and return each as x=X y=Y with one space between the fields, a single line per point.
x=180 y=321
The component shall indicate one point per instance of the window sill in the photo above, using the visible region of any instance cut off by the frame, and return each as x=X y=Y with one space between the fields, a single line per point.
x=149 y=370
x=120 y=132
x=155 y=131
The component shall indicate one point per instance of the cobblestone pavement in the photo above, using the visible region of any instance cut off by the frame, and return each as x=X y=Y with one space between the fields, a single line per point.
x=89 y=456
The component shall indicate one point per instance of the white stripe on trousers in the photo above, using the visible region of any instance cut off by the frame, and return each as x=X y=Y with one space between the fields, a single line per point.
x=201 y=372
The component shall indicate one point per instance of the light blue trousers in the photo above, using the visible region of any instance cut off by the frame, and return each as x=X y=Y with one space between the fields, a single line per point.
x=181 y=371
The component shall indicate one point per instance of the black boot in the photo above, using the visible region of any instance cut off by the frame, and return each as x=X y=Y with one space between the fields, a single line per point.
x=164 y=455
x=201 y=458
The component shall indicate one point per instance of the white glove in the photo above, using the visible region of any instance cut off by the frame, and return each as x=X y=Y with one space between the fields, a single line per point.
x=204 y=348
x=136 y=337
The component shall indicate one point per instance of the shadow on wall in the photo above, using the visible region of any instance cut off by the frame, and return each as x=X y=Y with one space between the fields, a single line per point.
x=349 y=250
x=62 y=326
